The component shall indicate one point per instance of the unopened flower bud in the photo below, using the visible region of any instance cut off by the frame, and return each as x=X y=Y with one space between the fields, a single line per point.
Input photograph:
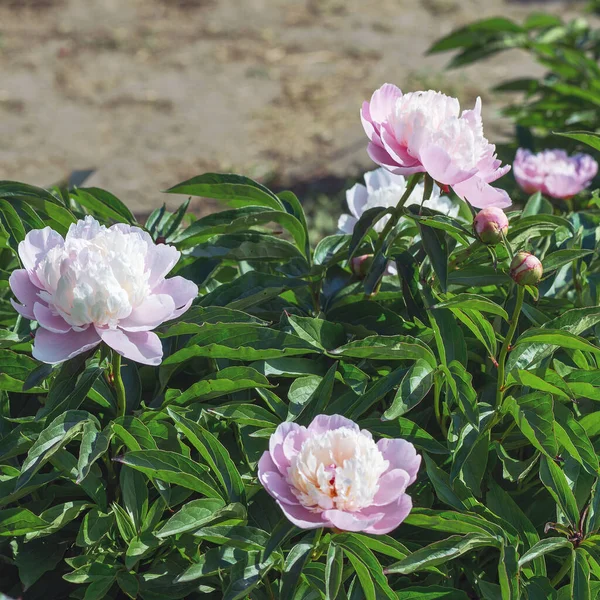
x=360 y=265
x=526 y=269
x=490 y=224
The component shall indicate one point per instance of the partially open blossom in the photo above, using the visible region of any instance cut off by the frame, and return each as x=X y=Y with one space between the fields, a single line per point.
x=554 y=172
x=333 y=474
x=384 y=189
x=426 y=132
x=360 y=265
x=490 y=225
x=98 y=284
x=526 y=269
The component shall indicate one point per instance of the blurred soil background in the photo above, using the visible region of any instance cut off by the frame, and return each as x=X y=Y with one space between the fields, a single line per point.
x=152 y=92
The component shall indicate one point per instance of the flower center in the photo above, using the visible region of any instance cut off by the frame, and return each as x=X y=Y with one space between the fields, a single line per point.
x=97 y=277
x=337 y=469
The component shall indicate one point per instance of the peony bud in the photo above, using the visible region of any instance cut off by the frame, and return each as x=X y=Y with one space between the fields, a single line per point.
x=526 y=269
x=360 y=265
x=490 y=224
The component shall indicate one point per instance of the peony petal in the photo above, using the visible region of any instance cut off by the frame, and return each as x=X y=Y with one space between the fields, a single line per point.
x=356 y=198
x=390 y=515
x=382 y=178
x=155 y=309
x=480 y=194
x=302 y=517
x=183 y=291
x=52 y=348
x=380 y=156
x=160 y=259
x=367 y=123
x=346 y=223
x=277 y=440
x=324 y=423
x=440 y=166
x=401 y=455
x=273 y=482
x=124 y=228
x=140 y=346
x=25 y=292
x=48 y=320
x=36 y=245
x=383 y=102
x=391 y=485
x=347 y=521
x=562 y=186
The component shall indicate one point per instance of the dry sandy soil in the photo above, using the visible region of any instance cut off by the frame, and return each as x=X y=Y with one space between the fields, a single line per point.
x=151 y=92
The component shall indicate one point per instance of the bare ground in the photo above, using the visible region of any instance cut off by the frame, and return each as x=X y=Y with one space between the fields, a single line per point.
x=151 y=92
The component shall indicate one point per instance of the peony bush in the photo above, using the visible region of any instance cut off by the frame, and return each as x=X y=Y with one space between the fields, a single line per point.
x=214 y=408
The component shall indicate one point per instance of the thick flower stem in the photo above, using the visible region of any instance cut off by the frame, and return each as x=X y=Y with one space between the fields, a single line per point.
x=506 y=345
x=397 y=213
x=119 y=387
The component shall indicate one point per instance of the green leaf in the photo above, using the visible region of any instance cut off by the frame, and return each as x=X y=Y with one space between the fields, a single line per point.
x=193 y=515
x=441 y=552
x=556 y=483
x=240 y=342
x=406 y=429
x=366 y=221
x=473 y=302
x=334 y=567
x=318 y=332
x=172 y=468
x=508 y=573
x=12 y=223
x=557 y=259
x=19 y=521
x=234 y=190
x=215 y=454
x=103 y=204
x=556 y=337
x=64 y=428
x=221 y=383
x=432 y=592
x=246 y=414
x=35 y=558
x=94 y=444
x=543 y=547
x=436 y=246
x=379 y=347
x=585 y=137
x=414 y=387
x=295 y=562
x=534 y=416
x=580 y=578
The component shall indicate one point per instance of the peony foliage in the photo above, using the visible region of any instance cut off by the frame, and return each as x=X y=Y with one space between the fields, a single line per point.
x=216 y=408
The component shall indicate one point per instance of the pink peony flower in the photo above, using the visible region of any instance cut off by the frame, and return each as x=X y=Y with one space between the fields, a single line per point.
x=490 y=225
x=526 y=269
x=554 y=172
x=332 y=474
x=97 y=285
x=425 y=132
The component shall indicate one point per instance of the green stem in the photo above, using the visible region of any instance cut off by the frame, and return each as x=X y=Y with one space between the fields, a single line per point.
x=506 y=345
x=563 y=571
x=397 y=213
x=437 y=404
x=119 y=387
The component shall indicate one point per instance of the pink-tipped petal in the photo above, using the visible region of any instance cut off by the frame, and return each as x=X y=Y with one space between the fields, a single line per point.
x=391 y=486
x=439 y=164
x=25 y=292
x=347 y=521
x=277 y=440
x=367 y=123
x=401 y=455
x=36 y=245
x=324 y=423
x=52 y=348
x=383 y=102
x=273 y=482
x=183 y=291
x=302 y=517
x=154 y=310
x=390 y=515
x=160 y=259
x=480 y=194
x=48 y=320
x=139 y=346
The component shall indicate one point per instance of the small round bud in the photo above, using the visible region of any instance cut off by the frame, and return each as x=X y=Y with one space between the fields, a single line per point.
x=360 y=265
x=489 y=225
x=526 y=269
